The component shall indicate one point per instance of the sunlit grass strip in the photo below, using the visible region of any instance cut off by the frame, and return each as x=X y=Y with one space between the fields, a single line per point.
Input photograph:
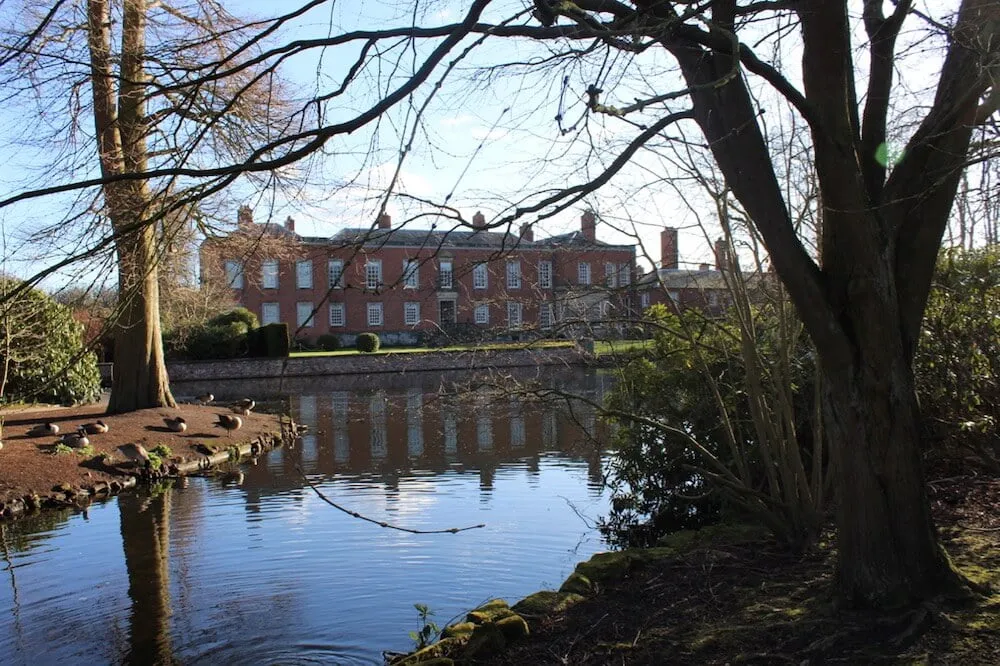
x=496 y=346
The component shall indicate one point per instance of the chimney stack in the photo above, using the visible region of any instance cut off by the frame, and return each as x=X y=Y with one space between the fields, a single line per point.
x=478 y=220
x=669 y=257
x=527 y=233
x=703 y=267
x=244 y=217
x=290 y=224
x=722 y=262
x=588 y=225
x=385 y=221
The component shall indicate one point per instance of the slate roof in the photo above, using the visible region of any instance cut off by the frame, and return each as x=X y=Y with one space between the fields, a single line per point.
x=681 y=278
x=453 y=239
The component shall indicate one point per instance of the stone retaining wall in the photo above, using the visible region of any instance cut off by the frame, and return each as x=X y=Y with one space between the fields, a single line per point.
x=367 y=364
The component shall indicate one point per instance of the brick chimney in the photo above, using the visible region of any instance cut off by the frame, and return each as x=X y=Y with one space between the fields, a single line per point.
x=290 y=224
x=385 y=221
x=527 y=233
x=669 y=257
x=588 y=225
x=478 y=220
x=244 y=217
x=721 y=255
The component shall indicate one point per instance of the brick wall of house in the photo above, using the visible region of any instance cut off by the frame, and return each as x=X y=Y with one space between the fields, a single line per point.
x=611 y=277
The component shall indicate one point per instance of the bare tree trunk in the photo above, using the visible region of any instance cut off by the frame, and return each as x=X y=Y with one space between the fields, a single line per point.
x=140 y=376
x=871 y=413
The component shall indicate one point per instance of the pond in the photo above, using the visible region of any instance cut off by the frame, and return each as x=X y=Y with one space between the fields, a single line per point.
x=253 y=566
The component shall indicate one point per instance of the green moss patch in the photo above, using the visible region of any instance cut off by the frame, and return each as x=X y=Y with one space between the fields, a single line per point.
x=546 y=602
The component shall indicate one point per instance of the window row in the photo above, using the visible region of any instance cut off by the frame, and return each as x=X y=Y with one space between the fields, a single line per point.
x=616 y=275
x=305 y=313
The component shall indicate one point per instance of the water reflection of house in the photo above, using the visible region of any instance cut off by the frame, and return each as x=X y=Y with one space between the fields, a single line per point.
x=400 y=282
x=384 y=433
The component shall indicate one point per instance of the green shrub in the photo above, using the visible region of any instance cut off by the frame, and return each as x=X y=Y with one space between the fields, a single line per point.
x=328 y=342
x=276 y=340
x=368 y=343
x=655 y=476
x=41 y=350
x=241 y=315
x=957 y=364
x=217 y=341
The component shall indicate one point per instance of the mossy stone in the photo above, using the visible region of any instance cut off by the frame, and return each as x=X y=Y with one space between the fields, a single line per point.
x=606 y=567
x=489 y=612
x=434 y=651
x=577 y=583
x=486 y=640
x=513 y=627
x=546 y=602
x=459 y=630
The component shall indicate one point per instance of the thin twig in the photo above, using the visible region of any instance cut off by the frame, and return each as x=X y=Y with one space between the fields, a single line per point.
x=380 y=523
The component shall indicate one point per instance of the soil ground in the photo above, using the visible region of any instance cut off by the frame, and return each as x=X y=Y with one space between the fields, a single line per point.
x=31 y=466
x=755 y=603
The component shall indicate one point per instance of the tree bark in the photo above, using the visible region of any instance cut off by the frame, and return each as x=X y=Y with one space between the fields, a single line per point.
x=140 y=376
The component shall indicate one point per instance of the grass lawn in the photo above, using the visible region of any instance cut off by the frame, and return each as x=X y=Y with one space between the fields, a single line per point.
x=542 y=344
x=602 y=347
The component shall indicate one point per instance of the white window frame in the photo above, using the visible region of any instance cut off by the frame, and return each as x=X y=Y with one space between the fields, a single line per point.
x=515 y=314
x=546 y=316
x=514 y=274
x=411 y=274
x=583 y=273
x=644 y=299
x=411 y=313
x=338 y=315
x=446 y=274
x=269 y=269
x=674 y=295
x=375 y=314
x=481 y=314
x=234 y=274
x=335 y=273
x=304 y=318
x=625 y=275
x=610 y=275
x=373 y=274
x=304 y=274
x=264 y=308
x=545 y=274
x=480 y=276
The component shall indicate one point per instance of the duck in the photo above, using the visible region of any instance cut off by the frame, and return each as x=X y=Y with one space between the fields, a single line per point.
x=204 y=398
x=76 y=440
x=176 y=424
x=135 y=453
x=97 y=428
x=229 y=423
x=44 y=429
x=243 y=406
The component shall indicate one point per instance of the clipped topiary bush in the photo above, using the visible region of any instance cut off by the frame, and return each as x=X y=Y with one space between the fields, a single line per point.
x=368 y=343
x=236 y=315
x=276 y=340
x=41 y=350
x=213 y=341
x=328 y=342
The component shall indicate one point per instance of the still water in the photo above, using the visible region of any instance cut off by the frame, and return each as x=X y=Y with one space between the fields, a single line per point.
x=258 y=570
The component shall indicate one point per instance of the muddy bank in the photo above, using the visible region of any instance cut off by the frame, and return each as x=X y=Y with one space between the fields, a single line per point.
x=36 y=472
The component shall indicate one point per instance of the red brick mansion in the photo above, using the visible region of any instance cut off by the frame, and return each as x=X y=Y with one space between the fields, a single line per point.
x=401 y=283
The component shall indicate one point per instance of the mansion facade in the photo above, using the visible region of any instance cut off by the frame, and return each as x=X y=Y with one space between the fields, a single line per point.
x=405 y=284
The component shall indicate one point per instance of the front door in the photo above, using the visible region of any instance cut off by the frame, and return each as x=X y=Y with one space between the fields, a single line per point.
x=447 y=312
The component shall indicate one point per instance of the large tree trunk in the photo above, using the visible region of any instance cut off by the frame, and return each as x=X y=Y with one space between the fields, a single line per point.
x=887 y=544
x=140 y=376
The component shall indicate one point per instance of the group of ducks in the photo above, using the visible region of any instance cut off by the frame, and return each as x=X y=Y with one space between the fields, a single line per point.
x=227 y=422
x=79 y=438
x=75 y=440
